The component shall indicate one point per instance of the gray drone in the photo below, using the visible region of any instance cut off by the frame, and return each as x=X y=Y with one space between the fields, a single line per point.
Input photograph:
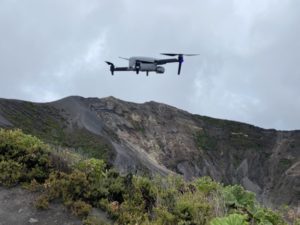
x=147 y=64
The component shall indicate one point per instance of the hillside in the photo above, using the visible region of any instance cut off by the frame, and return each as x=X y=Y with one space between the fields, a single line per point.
x=44 y=184
x=156 y=138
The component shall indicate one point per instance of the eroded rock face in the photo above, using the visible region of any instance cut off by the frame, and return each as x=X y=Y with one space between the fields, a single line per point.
x=158 y=138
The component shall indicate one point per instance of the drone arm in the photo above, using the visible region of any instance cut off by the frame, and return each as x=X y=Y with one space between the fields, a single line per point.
x=164 y=61
x=122 y=69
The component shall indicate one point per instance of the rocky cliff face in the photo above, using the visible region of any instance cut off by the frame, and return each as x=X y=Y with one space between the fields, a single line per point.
x=158 y=138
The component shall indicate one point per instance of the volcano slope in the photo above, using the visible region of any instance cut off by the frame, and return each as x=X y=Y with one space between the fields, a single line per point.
x=154 y=138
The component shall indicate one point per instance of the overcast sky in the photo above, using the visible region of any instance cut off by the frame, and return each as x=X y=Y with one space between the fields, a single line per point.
x=247 y=70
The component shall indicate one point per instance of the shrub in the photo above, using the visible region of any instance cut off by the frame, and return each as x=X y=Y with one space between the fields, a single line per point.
x=206 y=185
x=16 y=139
x=93 y=168
x=233 y=219
x=147 y=191
x=163 y=216
x=28 y=151
x=69 y=187
x=192 y=208
x=76 y=185
x=131 y=213
x=80 y=208
x=10 y=172
x=42 y=202
x=54 y=185
x=96 y=175
x=33 y=186
x=267 y=216
x=236 y=196
x=91 y=220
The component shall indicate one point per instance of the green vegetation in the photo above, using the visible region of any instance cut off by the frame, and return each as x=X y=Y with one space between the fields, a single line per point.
x=128 y=199
x=86 y=143
x=39 y=120
x=46 y=123
x=232 y=219
x=243 y=141
x=81 y=209
x=10 y=172
x=205 y=141
x=239 y=136
x=23 y=158
x=42 y=202
x=284 y=164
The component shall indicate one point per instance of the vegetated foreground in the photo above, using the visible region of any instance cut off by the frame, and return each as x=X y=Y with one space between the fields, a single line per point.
x=154 y=138
x=58 y=175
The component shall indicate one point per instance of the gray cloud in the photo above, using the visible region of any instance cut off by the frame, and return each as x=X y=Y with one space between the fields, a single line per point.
x=247 y=70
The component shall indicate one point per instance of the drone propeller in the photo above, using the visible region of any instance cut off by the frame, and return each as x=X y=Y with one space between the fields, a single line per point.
x=112 y=67
x=180 y=58
x=123 y=58
x=178 y=54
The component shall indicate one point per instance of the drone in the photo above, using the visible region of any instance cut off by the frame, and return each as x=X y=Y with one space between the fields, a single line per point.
x=147 y=64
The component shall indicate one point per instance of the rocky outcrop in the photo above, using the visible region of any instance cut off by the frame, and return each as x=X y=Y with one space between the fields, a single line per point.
x=157 y=138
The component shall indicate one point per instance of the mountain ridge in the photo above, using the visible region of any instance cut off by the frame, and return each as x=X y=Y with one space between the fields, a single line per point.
x=154 y=137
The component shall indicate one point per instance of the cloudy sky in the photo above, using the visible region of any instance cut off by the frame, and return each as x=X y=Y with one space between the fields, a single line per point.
x=247 y=70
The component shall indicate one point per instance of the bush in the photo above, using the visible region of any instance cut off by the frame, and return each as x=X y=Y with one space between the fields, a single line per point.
x=93 y=221
x=28 y=151
x=80 y=208
x=42 y=202
x=94 y=170
x=267 y=216
x=69 y=187
x=192 y=208
x=163 y=216
x=206 y=185
x=33 y=186
x=233 y=219
x=10 y=172
x=16 y=139
x=236 y=196
x=147 y=191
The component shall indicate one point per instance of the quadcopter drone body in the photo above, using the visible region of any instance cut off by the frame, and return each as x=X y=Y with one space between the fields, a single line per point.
x=147 y=64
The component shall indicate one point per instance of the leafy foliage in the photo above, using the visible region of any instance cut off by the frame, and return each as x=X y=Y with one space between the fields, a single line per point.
x=80 y=208
x=10 y=172
x=266 y=216
x=23 y=157
x=207 y=185
x=42 y=202
x=232 y=219
x=236 y=196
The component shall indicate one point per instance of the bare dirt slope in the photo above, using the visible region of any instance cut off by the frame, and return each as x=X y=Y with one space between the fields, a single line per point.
x=16 y=208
